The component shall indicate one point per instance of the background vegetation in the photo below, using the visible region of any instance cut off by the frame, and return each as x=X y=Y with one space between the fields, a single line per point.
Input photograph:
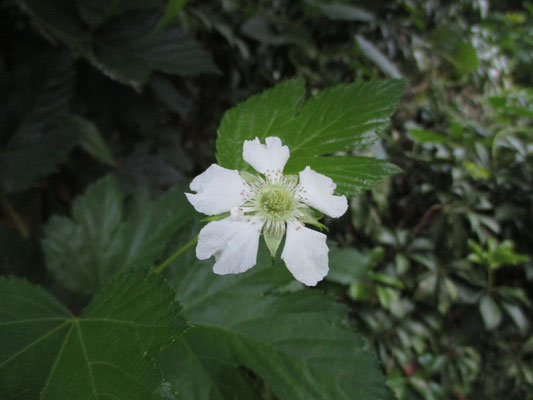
x=434 y=264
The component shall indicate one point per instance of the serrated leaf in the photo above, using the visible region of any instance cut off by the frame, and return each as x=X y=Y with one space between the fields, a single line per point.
x=352 y=174
x=261 y=115
x=103 y=237
x=48 y=353
x=296 y=342
x=340 y=119
x=127 y=49
x=125 y=41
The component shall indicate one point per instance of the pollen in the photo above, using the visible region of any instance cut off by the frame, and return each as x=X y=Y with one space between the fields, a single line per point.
x=276 y=201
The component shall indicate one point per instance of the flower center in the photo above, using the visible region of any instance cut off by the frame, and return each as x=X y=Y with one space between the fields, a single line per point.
x=275 y=200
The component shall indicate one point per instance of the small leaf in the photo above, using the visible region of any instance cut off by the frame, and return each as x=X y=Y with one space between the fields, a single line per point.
x=173 y=9
x=377 y=57
x=517 y=315
x=425 y=136
x=490 y=312
x=343 y=12
x=93 y=142
x=47 y=353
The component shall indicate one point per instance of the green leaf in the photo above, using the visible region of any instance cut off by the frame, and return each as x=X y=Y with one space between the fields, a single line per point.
x=103 y=238
x=343 y=118
x=347 y=265
x=490 y=312
x=517 y=315
x=260 y=116
x=172 y=10
x=48 y=353
x=343 y=12
x=127 y=49
x=46 y=134
x=296 y=342
x=126 y=41
x=448 y=43
x=93 y=142
x=377 y=57
x=425 y=136
x=352 y=174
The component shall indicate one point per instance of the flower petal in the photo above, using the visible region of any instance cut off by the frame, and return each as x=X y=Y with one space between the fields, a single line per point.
x=305 y=254
x=270 y=156
x=317 y=191
x=218 y=190
x=233 y=241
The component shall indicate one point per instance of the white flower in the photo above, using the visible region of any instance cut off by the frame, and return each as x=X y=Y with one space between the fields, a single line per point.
x=270 y=203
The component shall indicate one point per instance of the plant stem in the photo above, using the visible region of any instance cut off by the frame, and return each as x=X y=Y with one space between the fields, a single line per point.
x=178 y=253
x=14 y=216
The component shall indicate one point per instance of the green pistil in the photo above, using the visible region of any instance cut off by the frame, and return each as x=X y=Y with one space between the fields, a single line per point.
x=275 y=201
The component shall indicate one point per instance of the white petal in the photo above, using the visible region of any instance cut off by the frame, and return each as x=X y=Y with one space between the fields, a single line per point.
x=319 y=193
x=270 y=156
x=305 y=254
x=218 y=190
x=233 y=241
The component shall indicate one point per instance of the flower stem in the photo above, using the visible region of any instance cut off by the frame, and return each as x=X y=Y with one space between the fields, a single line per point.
x=177 y=254
x=14 y=216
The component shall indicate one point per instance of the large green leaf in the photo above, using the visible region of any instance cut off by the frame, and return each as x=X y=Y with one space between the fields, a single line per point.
x=48 y=353
x=298 y=343
x=340 y=119
x=45 y=135
x=103 y=237
x=125 y=40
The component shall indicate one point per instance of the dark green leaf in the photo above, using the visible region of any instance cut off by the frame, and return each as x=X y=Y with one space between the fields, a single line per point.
x=127 y=49
x=343 y=12
x=126 y=43
x=490 y=312
x=93 y=142
x=102 y=238
x=46 y=134
x=48 y=353
x=296 y=342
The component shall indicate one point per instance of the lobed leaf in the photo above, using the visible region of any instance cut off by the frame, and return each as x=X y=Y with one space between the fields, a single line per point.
x=296 y=342
x=103 y=237
x=125 y=40
x=48 y=353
